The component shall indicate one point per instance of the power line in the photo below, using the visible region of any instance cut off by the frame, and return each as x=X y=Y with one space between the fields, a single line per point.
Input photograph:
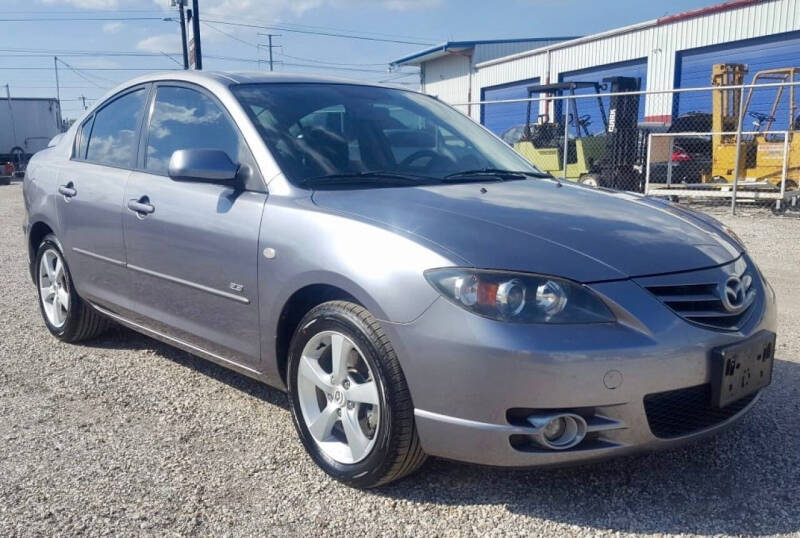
x=223 y=32
x=155 y=12
x=319 y=33
x=79 y=19
x=283 y=54
x=84 y=77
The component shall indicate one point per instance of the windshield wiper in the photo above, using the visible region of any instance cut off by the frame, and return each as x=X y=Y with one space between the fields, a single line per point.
x=503 y=175
x=378 y=177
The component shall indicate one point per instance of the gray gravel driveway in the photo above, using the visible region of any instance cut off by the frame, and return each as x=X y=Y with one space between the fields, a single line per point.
x=127 y=436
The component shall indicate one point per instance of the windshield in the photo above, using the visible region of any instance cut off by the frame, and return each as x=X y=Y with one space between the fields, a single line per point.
x=322 y=134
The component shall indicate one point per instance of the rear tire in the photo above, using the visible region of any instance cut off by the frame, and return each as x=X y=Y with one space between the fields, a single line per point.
x=68 y=317
x=392 y=445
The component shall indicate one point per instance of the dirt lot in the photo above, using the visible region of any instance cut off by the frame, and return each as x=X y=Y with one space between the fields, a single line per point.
x=125 y=435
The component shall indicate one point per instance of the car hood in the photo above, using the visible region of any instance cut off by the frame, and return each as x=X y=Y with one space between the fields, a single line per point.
x=545 y=227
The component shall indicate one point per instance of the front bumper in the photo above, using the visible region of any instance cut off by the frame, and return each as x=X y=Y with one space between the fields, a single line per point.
x=473 y=379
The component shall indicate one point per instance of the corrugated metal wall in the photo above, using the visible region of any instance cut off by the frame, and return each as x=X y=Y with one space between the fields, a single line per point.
x=448 y=78
x=661 y=44
x=694 y=69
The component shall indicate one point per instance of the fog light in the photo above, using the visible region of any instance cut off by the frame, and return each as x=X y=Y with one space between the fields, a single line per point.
x=559 y=430
x=555 y=428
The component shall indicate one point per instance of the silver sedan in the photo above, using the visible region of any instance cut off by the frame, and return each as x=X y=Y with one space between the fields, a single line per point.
x=416 y=286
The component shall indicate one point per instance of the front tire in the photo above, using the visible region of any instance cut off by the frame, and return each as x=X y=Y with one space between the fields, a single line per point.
x=65 y=314
x=350 y=402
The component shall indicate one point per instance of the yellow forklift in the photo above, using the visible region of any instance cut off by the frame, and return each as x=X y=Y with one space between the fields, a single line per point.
x=609 y=158
x=762 y=152
x=542 y=142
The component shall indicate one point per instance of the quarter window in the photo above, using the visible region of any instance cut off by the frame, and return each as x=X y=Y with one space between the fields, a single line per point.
x=82 y=139
x=185 y=119
x=113 y=140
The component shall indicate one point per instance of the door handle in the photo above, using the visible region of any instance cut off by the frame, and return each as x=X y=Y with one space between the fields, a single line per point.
x=141 y=207
x=68 y=190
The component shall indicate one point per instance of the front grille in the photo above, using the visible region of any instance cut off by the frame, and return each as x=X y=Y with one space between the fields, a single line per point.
x=699 y=296
x=680 y=412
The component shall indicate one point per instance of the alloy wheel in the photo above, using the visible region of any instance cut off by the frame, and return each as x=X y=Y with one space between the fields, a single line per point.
x=338 y=396
x=54 y=288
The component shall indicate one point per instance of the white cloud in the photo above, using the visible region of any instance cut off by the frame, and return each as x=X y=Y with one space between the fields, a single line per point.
x=160 y=43
x=112 y=27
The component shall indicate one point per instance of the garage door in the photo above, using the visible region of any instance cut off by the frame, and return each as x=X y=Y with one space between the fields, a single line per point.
x=634 y=68
x=502 y=117
x=694 y=70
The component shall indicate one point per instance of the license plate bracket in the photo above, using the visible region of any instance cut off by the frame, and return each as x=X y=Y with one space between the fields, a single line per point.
x=742 y=368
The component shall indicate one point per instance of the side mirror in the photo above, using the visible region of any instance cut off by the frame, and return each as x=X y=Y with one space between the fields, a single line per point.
x=201 y=165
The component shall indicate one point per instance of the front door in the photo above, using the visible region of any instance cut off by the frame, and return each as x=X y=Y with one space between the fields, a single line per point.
x=192 y=247
x=91 y=190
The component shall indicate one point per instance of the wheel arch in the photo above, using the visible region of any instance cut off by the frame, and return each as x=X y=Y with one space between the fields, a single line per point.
x=38 y=231
x=298 y=304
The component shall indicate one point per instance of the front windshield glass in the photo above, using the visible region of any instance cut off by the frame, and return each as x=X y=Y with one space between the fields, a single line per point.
x=326 y=133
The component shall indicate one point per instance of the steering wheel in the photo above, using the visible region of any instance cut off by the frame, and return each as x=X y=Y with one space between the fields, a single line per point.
x=421 y=154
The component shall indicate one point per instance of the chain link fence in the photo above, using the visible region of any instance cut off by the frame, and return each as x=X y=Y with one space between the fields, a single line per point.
x=735 y=147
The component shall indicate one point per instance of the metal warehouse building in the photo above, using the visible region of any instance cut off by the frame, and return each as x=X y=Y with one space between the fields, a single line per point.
x=675 y=51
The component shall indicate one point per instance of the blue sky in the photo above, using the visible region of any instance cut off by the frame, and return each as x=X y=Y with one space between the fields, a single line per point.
x=100 y=50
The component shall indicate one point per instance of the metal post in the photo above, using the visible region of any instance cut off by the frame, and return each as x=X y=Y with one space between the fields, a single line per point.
x=566 y=135
x=269 y=36
x=670 y=149
x=738 y=159
x=198 y=54
x=647 y=170
x=183 y=35
x=784 y=168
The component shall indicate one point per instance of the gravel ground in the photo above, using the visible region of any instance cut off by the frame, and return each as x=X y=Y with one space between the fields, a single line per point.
x=125 y=435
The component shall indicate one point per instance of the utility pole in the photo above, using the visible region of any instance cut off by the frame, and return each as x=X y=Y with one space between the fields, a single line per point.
x=271 y=46
x=183 y=34
x=11 y=113
x=58 y=88
x=83 y=99
x=198 y=55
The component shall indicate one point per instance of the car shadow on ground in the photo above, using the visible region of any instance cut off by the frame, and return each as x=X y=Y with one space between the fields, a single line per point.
x=743 y=481
x=119 y=337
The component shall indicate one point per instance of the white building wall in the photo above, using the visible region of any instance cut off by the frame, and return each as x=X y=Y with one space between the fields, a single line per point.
x=460 y=81
x=448 y=78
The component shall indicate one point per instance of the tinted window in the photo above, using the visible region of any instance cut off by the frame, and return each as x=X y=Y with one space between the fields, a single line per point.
x=113 y=139
x=82 y=138
x=316 y=130
x=185 y=119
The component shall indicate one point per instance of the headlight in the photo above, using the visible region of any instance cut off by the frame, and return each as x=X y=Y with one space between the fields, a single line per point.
x=519 y=297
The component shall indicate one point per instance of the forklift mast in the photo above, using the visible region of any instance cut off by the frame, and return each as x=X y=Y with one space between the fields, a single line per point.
x=725 y=103
x=623 y=139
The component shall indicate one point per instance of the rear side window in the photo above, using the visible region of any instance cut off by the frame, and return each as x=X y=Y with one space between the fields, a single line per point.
x=113 y=140
x=82 y=139
x=186 y=119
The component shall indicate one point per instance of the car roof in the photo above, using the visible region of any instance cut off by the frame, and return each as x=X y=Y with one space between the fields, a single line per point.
x=243 y=77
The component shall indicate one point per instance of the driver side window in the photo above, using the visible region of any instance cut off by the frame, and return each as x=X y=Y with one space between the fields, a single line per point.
x=186 y=119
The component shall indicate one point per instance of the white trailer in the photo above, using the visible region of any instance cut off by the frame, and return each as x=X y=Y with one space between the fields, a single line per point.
x=26 y=126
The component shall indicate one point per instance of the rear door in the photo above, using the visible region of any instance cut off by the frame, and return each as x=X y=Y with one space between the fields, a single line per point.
x=193 y=259
x=91 y=190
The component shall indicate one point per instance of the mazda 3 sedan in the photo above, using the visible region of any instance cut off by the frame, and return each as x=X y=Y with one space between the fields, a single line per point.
x=416 y=286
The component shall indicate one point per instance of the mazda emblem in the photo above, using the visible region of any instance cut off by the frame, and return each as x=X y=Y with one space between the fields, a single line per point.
x=733 y=295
